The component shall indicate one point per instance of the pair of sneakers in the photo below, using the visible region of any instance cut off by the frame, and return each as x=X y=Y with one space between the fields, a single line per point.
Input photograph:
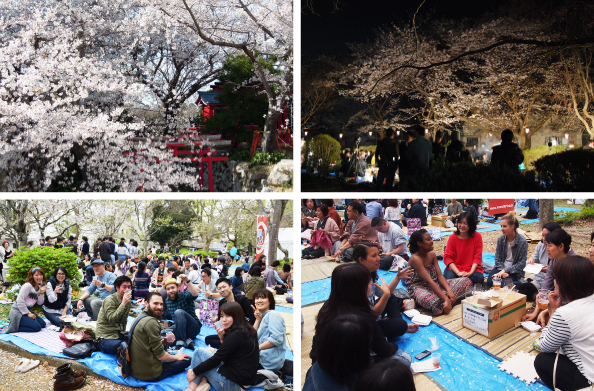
x=25 y=365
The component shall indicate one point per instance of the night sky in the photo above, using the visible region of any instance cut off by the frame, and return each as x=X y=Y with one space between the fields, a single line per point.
x=355 y=21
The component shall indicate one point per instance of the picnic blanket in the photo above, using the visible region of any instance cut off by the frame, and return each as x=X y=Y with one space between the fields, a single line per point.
x=460 y=360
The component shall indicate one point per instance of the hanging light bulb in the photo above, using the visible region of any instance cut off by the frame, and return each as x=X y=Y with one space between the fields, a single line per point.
x=527 y=130
x=305 y=133
x=566 y=136
x=369 y=134
x=340 y=136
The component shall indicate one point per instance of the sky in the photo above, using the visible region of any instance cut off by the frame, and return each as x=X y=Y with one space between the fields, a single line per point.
x=355 y=20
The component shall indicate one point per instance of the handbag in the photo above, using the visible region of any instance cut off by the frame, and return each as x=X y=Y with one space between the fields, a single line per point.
x=82 y=349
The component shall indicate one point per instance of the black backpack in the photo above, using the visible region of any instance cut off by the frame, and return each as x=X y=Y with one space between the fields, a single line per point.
x=123 y=355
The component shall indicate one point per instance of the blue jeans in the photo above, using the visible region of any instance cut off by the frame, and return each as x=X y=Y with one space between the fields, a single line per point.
x=476 y=278
x=29 y=325
x=170 y=369
x=110 y=346
x=93 y=306
x=185 y=327
x=515 y=277
x=402 y=356
x=54 y=317
x=216 y=380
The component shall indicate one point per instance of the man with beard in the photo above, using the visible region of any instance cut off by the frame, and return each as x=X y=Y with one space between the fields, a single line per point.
x=181 y=306
x=148 y=359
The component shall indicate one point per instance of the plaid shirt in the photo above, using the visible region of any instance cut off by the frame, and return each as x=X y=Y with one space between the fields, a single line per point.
x=185 y=301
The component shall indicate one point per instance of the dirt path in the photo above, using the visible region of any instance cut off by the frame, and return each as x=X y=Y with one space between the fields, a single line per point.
x=41 y=378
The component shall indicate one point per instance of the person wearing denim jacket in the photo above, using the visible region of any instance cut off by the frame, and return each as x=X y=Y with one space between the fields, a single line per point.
x=272 y=332
x=519 y=252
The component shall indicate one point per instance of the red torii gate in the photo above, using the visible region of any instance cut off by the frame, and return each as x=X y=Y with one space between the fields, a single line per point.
x=201 y=154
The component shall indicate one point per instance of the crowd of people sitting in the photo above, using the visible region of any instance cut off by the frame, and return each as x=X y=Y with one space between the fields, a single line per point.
x=250 y=333
x=363 y=314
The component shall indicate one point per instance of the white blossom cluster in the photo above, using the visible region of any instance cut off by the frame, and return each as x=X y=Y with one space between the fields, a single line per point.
x=73 y=74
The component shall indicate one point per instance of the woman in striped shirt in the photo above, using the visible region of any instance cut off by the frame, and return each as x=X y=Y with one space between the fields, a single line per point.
x=569 y=330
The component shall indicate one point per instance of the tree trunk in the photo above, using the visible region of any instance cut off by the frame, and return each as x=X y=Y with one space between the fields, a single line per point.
x=284 y=251
x=546 y=212
x=14 y=214
x=589 y=202
x=269 y=133
x=277 y=214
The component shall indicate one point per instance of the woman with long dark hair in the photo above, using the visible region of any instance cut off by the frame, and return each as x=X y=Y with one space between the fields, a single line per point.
x=349 y=294
x=428 y=286
x=235 y=363
x=343 y=354
x=57 y=296
x=569 y=328
x=31 y=293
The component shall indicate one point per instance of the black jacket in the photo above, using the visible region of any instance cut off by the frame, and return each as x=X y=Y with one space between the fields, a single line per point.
x=379 y=345
x=62 y=296
x=105 y=252
x=507 y=154
x=417 y=210
x=240 y=356
x=245 y=303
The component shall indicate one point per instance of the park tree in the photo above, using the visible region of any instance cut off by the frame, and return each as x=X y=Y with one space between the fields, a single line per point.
x=259 y=29
x=172 y=223
x=14 y=220
x=243 y=104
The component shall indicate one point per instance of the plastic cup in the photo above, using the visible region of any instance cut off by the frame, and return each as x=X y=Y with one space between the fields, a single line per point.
x=495 y=293
x=169 y=336
x=496 y=283
x=436 y=358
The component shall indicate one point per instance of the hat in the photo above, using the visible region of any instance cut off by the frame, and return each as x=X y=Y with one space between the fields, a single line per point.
x=97 y=262
x=170 y=281
x=133 y=264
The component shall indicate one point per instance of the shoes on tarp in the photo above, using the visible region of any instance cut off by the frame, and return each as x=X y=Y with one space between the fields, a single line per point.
x=25 y=365
x=190 y=344
x=66 y=382
x=62 y=369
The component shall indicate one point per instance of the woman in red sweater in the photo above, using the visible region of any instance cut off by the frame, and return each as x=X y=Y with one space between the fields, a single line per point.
x=464 y=252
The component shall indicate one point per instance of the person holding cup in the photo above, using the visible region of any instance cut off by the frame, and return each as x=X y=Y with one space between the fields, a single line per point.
x=511 y=252
x=569 y=327
x=113 y=316
x=21 y=318
x=103 y=283
x=58 y=296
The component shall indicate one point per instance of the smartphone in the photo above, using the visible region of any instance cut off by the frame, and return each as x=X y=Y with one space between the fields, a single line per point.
x=422 y=355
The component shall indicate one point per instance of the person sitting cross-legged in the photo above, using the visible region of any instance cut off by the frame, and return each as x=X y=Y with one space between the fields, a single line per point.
x=148 y=359
x=182 y=309
x=235 y=364
x=103 y=284
x=225 y=290
x=113 y=316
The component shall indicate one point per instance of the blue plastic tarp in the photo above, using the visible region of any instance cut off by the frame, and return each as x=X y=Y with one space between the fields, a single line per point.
x=464 y=366
x=106 y=365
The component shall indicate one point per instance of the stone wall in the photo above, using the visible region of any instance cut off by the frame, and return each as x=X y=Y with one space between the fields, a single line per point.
x=232 y=176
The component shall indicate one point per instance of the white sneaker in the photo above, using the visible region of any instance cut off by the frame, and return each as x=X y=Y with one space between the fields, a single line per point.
x=22 y=362
x=32 y=364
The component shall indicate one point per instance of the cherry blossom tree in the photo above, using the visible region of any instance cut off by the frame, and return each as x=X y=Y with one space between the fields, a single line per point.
x=465 y=71
x=260 y=29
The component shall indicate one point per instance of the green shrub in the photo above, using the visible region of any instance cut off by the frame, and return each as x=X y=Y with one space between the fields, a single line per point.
x=445 y=176
x=240 y=155
x=571 y=170
x=533 y=154
x=325 y=152
x=264 y=159
x=568 y=218
x=48 y=259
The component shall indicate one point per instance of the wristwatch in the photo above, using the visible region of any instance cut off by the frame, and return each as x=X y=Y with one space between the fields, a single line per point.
x=103 y=285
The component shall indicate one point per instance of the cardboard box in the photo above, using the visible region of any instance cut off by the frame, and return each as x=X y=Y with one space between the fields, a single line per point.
x=492 y=321
x=439 y=220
